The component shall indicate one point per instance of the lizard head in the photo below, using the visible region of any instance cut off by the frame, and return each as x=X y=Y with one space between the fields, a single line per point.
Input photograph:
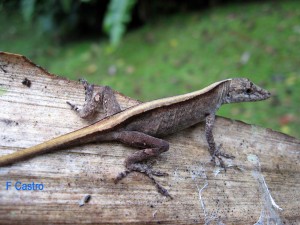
x=243 y=90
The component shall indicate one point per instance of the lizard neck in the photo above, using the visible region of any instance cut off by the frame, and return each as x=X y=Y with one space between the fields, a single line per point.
x=222 y=94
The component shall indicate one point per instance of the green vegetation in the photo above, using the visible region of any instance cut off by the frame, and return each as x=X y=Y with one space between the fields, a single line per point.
x=116 y=19
x=186 y=52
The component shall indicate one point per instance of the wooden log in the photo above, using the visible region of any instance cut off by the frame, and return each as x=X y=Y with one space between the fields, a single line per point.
x=263 y=184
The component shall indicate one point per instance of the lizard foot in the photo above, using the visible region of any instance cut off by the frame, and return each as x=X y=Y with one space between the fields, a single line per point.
x=218 y=154
x=89 y=89
x=146 y=170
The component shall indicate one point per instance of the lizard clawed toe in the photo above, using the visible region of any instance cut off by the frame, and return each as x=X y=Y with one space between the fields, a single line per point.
x=83 y=81
x=222 y=164
x=223 y=154
x=73 y=106
x=121 y=176
x=226 y=155
x=162 y=190
x=159 y=173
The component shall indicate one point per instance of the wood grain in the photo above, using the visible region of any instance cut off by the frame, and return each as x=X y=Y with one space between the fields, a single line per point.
x=266 y=164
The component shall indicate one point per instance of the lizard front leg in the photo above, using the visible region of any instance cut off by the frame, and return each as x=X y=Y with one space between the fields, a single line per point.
x=151 y=147
x=213 y=150
x=95 y=101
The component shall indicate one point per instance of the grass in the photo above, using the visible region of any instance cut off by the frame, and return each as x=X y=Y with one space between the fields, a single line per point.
x=186 y=52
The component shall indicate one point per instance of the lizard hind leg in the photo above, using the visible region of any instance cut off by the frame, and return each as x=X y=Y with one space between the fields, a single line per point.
x=97 y=100
x=151 y=147
x=89 y=90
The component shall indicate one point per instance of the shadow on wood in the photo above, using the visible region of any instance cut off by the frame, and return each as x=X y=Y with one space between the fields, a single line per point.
x=261 y=186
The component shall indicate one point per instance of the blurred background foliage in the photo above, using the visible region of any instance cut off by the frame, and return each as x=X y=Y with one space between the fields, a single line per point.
x=152 y=49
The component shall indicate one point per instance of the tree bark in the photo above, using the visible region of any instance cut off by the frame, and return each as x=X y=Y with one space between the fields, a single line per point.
x=263 y=184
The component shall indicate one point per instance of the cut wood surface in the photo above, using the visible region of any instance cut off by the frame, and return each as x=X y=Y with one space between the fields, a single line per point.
x=261 y=187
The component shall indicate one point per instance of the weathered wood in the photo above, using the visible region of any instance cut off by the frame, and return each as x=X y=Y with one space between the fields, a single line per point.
x=267 y=161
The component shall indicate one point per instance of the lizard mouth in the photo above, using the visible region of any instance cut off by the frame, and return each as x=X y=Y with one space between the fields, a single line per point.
x=264 y=94
x=258 y=94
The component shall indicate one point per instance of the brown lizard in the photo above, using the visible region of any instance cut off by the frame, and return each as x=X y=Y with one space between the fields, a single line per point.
x=141 y=126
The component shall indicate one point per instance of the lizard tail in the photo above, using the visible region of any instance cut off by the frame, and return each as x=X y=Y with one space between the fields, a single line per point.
x=62 y=142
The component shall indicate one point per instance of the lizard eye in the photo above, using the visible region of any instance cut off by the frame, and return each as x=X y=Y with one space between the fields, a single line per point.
x=248 y=91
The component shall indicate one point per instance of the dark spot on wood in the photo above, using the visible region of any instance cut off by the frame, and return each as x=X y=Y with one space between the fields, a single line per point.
x=9 y=122
x=1 y=67
x=26 y=82
x=87 y=198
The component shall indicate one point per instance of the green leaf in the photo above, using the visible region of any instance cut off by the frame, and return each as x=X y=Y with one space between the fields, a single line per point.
x=117 y=16
x=27 y=9
x=66 y=5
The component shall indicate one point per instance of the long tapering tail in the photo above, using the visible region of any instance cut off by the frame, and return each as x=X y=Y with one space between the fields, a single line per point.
x=78 y=137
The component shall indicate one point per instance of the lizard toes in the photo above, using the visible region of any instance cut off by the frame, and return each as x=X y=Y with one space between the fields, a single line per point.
x=158 y=173
x=228 y=156
x=121 y=176
x=163 y=191
x=73 y=107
